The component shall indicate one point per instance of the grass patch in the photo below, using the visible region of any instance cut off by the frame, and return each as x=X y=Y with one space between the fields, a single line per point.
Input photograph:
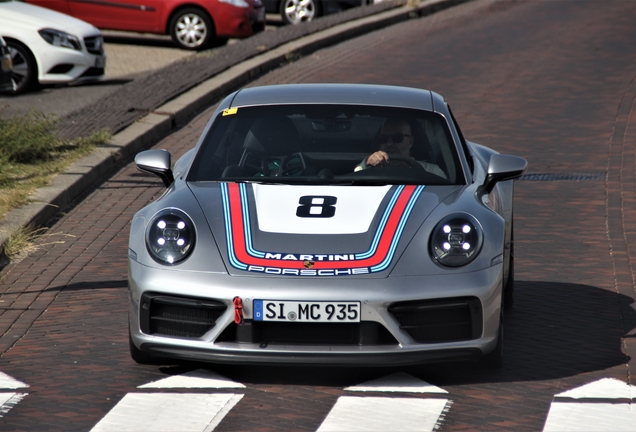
x=24 y=241
x=31 y=154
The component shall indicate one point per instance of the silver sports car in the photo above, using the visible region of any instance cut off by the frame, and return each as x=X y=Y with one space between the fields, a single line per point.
x=325 y=224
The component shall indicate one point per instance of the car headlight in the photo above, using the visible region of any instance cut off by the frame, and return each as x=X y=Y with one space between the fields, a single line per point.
x=60 y=39
x=170 y=237
x=456 y=240
x=237 y=3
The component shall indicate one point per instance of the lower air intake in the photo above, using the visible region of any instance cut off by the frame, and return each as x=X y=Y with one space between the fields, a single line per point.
x=178 y=316
x=442 y=320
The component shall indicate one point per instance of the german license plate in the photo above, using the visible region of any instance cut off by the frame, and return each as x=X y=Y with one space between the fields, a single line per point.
x=100 y=62
x=320 y=312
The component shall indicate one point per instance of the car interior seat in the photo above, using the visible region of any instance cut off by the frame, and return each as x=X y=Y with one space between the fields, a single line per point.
x=269 y=146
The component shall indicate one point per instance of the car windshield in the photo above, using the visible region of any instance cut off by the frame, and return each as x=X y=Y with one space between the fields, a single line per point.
x=328 y=144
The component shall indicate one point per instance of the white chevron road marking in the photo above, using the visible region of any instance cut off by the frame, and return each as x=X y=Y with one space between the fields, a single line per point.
x=604 y=405
x=159 y=412
x=8 y=382
x=9 y=399
x=383 y=414
x=397 y=382
x=199 y=378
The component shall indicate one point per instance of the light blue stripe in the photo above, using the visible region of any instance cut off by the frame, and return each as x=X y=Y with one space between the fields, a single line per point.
x=228 y=229
x=246 y=224
x=381 y=226
x=387 y=260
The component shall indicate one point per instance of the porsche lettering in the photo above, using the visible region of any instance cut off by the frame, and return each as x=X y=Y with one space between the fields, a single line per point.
x=309 y=272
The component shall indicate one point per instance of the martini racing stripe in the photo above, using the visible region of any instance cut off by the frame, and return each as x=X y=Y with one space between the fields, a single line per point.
x=242 y=254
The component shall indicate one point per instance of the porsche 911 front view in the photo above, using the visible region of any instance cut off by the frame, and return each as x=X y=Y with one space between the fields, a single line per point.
x=325 y=224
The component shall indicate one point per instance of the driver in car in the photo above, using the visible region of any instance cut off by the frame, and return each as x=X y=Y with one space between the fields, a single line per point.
x=395 y=139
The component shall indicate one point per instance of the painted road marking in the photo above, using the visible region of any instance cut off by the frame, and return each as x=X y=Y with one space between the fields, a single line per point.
x=397 y=382
x=7 y=382
x=173 y=411
x=382 y=414
x=199 y=378
x=602 y=405
x=9 y=399
x=156 y=412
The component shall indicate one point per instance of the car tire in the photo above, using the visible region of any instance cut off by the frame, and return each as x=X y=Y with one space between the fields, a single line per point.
x=509 y=288
x=298 y=11
x=25 y=68
x=192 y=29
x=495 y=358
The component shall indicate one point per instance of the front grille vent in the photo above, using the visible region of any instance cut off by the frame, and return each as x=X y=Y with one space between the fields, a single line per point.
x=95 y=45
x=178 y=316
x=366 y=333
x=437 y=321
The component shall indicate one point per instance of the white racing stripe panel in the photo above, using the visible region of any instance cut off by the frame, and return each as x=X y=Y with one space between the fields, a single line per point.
x=383 y=414
x=199 y=378
x=355 y=207
x=397 y=382
x=568 y=416
x=158 y=412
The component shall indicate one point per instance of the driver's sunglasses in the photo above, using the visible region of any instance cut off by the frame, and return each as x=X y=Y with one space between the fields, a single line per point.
x=394 y=138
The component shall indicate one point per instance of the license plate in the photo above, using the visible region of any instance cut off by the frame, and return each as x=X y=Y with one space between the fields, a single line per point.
x=290 y=311
x=100 y=62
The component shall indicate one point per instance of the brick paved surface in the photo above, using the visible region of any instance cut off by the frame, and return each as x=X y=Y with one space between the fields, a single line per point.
x=547 y=80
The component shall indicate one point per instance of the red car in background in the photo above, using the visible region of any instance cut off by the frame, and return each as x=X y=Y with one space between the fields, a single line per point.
x=192 y=24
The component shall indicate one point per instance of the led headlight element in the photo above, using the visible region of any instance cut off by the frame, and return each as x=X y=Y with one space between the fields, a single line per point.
x=456 y=240
x=170 y=237
x=60 y=39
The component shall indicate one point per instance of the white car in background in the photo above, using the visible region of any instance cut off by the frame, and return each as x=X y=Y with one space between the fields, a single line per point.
x=49 y=47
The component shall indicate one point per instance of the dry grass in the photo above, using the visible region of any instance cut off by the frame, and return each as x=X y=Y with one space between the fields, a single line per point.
x=27 y=240
x=31 y=154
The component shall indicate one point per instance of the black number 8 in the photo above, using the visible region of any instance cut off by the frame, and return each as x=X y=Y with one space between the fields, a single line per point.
x=316 y=206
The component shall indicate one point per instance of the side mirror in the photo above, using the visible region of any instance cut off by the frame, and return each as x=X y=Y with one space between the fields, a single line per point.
x=156 y=162
x=504 y=167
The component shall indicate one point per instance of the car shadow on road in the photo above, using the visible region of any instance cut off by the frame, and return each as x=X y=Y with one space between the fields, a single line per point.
x=555 y=330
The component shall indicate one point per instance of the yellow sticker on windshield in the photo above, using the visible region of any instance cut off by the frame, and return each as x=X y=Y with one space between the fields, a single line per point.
x=229 y=111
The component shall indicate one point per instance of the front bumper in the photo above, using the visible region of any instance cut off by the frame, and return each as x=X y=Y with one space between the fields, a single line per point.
x=65 y=65
x=382 y=338
x=236 y=22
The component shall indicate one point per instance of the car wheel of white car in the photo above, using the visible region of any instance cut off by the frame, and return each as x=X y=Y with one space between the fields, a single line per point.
x=192 y=29
x=25 y=70
x=297 y=11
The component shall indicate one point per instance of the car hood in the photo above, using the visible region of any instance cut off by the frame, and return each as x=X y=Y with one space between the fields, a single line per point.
x=314 y=230
x=16 y=14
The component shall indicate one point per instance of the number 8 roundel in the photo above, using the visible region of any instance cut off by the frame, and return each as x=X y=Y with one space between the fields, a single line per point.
x=316 y=206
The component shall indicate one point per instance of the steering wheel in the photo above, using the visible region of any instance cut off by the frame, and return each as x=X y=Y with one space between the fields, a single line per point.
x=412 y=163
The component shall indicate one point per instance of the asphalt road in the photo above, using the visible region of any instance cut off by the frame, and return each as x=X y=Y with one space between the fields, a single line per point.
x=550 y=81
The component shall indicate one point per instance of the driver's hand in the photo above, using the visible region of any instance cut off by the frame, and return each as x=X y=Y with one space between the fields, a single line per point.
x=378 y=158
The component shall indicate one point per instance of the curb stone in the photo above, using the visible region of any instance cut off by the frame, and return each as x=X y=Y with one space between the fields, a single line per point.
x=140 y=131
